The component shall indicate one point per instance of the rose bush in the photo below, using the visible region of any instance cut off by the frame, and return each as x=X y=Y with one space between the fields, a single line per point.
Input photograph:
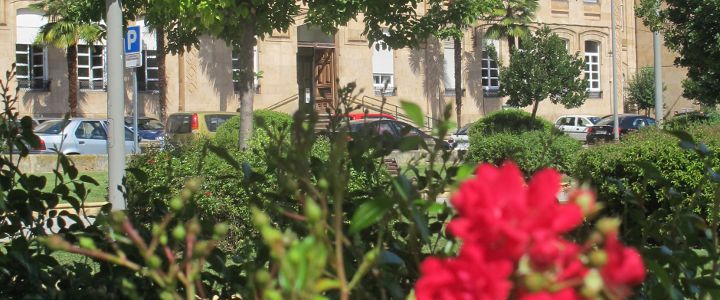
x=514 y=245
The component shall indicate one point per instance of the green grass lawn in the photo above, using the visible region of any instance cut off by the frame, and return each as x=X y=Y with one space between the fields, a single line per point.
x=95 y=193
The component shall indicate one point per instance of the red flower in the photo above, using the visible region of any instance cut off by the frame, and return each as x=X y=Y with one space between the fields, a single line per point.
x=623 y=269
x=469 y=276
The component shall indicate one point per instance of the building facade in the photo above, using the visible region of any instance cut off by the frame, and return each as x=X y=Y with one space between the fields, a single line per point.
x=300 y=67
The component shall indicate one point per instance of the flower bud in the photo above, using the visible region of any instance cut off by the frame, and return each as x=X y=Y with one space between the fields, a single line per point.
x=176 y=204
x=592 y=283
x=154 y=262
x=585 y=199
x=194 y=184
x=534 y=282
x=323 y=183
x=220 y=230
x=262 y=277
x=598 y=258
x=608 y=225
x=193 y=227
x=163 y=239
x=312 y=210
x=259 y=218
x=201 y=249
x=178 y=232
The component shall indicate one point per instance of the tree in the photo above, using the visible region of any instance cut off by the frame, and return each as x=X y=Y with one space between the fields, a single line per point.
x=691 y=29
x=641 y=89
x=239 y=23
x=71 y=22
x=543 y=70
x=511 y=19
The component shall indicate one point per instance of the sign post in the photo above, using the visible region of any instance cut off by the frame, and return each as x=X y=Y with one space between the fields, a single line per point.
x=115 y=104
x=133 y=60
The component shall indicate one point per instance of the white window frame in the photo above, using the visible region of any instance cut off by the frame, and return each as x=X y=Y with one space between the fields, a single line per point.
x=256 y=68
x=488 y=65
x=30 y=52
x=94 y=82
x=383 y=65
x=592 y=59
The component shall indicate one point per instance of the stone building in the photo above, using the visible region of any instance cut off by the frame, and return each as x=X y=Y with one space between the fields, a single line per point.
x=305 y=61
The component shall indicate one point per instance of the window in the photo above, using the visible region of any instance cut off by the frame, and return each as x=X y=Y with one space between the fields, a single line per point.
x=566 y=43
x=383 y=70
x=591 y=1
x=592 y=65
x=91 y=67
x=582 y=122
x=31 y=61
x=490 y=70
x=147 y=76
x=449 y=63
x=30 y=66
x=236 y=69
x=91 y=130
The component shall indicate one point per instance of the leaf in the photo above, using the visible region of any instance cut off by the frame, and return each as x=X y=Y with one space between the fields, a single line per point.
x=683 y=136
x=368 y=214
x=138 y=173
x=88 y=179
x=390 y=258
x=661 y=274
x=464 y=172
x=414 y=113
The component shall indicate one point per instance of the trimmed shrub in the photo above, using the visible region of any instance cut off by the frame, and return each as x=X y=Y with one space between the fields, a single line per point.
x=688 y=120
x=509 y=121
x=227 y=133
x=648 y=167
x=531 y=150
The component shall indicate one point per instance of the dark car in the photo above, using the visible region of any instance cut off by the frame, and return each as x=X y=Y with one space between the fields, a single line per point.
x=392 y=132
x=149 y=129
x=603 y=130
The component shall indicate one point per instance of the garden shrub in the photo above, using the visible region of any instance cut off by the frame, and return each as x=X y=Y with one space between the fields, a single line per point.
x=509 y=121
x=647 y=168
x=531 y=150
x=683 y=122
x=227 y=133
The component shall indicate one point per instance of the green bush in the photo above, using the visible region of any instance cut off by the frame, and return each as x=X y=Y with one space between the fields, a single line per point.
x=227 y=133
x=685 y=121
x=531 y=150
x=509 y=121
x=647 y=168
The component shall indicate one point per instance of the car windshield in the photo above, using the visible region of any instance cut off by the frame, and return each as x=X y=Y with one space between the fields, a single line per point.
x=52 y=127
x=214 y=121
x=607 y=121
x=463 y=130
x=593 y=120
x=150 y=124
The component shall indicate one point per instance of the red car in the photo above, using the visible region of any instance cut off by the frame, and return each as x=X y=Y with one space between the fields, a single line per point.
x=368 y=116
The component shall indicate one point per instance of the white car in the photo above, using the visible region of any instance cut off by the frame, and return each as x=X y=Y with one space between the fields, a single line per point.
x=79 y=136
x=460 y=140
x=576 y=126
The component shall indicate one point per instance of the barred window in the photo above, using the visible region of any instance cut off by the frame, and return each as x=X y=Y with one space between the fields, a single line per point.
x=592 y=65
x=489 y=67
x=91 y=67
x=235 y=59
x=148 y=77
x=30 y=66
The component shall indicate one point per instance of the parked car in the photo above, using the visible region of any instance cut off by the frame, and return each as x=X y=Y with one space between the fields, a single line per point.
x=460 y=140
x=149 y=129
x=603 y=130
x=576 y=126
x=392 y=131
x=185 y=126
x=79 y=136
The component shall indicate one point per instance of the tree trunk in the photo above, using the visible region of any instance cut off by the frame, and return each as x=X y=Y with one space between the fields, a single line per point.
x=534 y=112
x=247 y=89
x=162 y=76
x=71 y=57
x=457 y=47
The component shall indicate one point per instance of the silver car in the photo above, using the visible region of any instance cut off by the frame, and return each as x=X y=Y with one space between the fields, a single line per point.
x=576 y=126
x=79 y=136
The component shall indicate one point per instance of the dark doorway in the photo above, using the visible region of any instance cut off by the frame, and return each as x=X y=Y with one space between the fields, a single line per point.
x=316 y=70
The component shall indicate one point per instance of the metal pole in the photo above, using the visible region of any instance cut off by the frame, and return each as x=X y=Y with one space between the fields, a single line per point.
x=136 y=144
x=115 y=103
x=658 y=79
x=616 y=122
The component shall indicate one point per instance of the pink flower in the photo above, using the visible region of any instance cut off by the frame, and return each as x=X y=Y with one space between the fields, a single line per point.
x=623 y=269
x=469 y=276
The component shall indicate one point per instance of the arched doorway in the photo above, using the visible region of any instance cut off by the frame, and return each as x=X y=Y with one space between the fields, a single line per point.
x=316 y=70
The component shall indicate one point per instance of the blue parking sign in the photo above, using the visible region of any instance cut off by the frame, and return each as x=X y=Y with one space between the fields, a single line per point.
x=133 y=40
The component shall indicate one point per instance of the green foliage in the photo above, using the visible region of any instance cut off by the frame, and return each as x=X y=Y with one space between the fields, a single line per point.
x=685 y=121
x=543 y=69
x=531 y=151
x=641 y=89
x=689 y=33
x=508 y=121
x=227 y=134
x=71 y=21
x=620 y=170
x=511 y=20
